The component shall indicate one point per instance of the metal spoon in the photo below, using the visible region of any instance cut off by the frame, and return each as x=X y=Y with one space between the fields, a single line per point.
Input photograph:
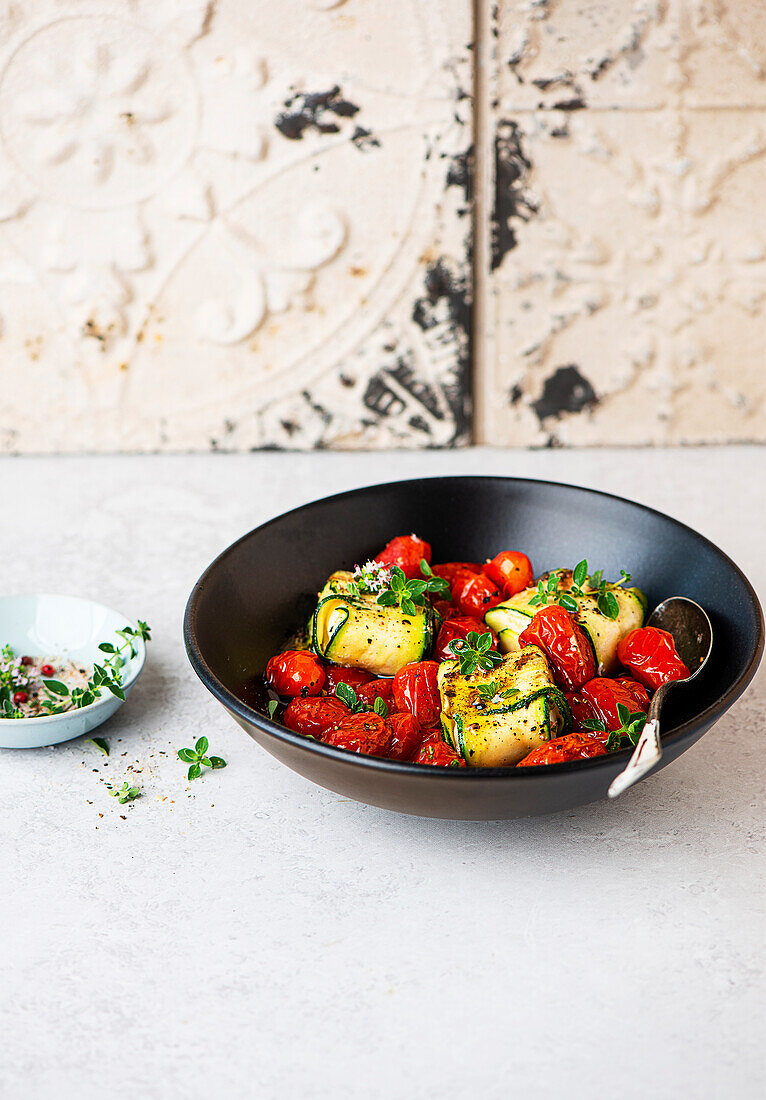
x=693 y=635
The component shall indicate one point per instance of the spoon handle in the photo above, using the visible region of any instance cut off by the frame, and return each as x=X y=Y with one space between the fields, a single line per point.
x=648 y=750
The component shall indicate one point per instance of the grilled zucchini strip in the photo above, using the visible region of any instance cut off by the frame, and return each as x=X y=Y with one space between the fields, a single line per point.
x=357 y=632
x=525 y=710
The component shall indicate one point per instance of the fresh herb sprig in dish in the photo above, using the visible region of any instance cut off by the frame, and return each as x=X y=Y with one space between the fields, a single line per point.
x=410 y=593
x=56 y=697
x=549 y=591
x=347 y=695
x=475 y=651
x=629 y=731
x=106 y=675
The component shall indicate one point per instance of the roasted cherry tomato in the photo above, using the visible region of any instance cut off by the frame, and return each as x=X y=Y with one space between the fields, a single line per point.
x=370 y=691
x=354 y=677
x=448 y=569
x=572 y=746
x=458 y=627
x=437 y=752
x=406 y=737
x=640 y=695
x=444 y=609
x=582 y=709
x=406 y=551
x=367 y=733
x=474 y=594
x=416 y=691
x=295 y=672
x=511 y=571
x=651 y=655
x=571 y=655
x=313 y=717
x=599 y=698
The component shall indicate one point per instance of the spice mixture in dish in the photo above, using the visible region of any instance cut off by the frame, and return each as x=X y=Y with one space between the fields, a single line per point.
x=22 y=681
x=33 y=687
x=471 y=664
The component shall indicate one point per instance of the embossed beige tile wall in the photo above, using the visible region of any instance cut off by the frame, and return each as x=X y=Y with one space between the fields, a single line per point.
x=235 y=223
x=626 y=268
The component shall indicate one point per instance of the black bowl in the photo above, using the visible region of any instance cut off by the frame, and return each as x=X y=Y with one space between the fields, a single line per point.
x=262 y=588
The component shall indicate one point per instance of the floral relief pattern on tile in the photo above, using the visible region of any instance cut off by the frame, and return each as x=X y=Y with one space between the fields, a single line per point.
x=627 y=273
x=216 y=233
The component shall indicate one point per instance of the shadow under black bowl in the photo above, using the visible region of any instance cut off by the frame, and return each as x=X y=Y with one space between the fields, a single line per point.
x=262 y=588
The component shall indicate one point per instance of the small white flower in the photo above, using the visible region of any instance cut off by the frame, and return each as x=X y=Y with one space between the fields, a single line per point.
x=373 y=576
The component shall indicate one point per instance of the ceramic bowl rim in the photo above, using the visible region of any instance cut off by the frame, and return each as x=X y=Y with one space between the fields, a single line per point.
x=136 y=671
x=235 y=705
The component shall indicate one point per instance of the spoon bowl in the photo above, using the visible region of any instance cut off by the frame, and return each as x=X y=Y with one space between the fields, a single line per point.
x=691 y=630
x=693 y=637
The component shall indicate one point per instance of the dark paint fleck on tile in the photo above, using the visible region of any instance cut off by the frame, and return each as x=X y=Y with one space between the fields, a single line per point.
x=364 y=139
x=512 y=168
x=314 y=111
x=564 y=391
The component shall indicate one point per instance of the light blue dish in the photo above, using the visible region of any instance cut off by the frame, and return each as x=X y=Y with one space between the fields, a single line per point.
x=70 y=627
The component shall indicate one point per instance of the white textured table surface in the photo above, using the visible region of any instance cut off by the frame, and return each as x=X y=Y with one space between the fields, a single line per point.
x=252 y=935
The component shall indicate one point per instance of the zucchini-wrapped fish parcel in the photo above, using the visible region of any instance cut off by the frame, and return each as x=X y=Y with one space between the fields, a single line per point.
x=352 y=629
x=495 y=718
x=510 y=618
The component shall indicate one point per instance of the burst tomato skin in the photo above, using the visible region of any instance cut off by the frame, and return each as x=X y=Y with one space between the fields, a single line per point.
x=416 y=692
x=295 y=672
x=511 y=571
x=436 y=752
x=651 y=655
x=370 y=691
x=406 y=551
x=406 y=737
x=598 y=699
x=475 y=594
x=460 y=626
x=572 y=746
x=571 y=655
x=365 y=733
x=354 y=677
x=448 y=569
x=314 y=716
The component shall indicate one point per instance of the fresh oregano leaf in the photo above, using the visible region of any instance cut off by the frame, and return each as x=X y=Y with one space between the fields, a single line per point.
x=55 y=687
x=580 y=573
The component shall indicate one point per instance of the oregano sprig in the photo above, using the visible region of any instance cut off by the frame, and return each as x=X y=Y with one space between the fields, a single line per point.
x=409 y=593
x=125 y=793
x=631 y=724
x=438 y=585
x=198 y=759
x=347 y=695
x=106 y=675
x=550 y=591
x=494 y=690
x=474 y=652
x=547 y=591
